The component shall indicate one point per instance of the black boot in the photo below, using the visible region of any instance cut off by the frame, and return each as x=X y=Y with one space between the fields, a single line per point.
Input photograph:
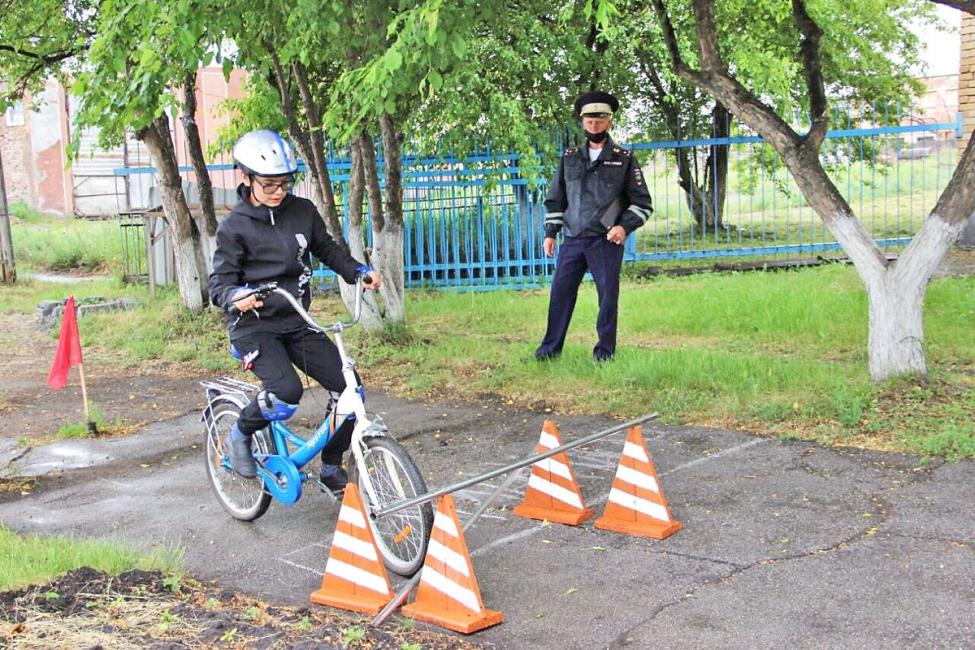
x=334 y=478
x=241 y=458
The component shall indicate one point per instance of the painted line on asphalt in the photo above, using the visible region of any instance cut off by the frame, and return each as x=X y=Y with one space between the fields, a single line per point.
x=540 y=527
x=301 y=566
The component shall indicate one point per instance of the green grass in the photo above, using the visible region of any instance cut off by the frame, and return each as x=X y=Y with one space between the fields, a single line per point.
x=61 y=244
x=781 y=353
x=35 y=559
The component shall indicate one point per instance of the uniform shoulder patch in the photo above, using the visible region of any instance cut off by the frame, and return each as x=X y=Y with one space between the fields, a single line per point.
x=570 y=151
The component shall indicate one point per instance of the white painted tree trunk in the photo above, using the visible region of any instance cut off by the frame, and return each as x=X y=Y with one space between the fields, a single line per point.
x=188 y=273
x=895 y=292
x=372 y=318
x=896 y=340
x=388 y=255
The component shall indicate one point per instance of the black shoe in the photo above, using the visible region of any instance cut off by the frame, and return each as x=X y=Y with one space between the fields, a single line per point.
x=602 y=358
x=547 y=356
x=241 y=458
x=335 y=482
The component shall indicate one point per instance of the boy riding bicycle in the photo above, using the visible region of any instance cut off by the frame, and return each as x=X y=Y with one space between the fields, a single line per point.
x=270 y=236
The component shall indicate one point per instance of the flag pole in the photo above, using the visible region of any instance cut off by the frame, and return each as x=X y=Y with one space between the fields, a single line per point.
x=92 y=427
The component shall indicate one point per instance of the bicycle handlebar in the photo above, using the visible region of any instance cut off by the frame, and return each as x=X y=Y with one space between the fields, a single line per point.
x=262 y=291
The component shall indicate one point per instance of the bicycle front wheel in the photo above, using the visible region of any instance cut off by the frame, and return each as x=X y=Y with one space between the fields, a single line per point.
x=390 y=477
x=245 y=499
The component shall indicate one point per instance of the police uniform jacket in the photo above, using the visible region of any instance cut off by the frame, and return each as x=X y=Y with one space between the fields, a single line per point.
x=586 y=199
x=258 y=244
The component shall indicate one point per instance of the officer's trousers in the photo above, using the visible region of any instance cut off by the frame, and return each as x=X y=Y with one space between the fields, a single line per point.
x=278 y=354
x=604 y=260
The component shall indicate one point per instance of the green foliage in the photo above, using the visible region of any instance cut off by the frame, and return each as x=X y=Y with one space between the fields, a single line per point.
x=258 y=108
x=141 y=54
x=39 y=40
x=33 y=559
x=353 y=636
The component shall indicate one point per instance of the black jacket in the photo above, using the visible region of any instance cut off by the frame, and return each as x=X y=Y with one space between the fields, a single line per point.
x=588 y=198
x=256 y=244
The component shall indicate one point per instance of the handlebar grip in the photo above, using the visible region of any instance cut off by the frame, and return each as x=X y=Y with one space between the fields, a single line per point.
x=366 y=278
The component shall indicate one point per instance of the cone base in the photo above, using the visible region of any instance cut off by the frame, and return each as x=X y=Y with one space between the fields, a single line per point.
x=366 y=604
x=569 y=517
x=653 y=530
x=465 y=623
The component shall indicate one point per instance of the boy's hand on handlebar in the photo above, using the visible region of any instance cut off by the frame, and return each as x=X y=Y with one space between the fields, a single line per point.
x=371 y=280
x=248 y=301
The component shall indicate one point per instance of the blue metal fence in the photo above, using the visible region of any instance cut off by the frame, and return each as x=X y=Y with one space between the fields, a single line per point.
x=476 y=223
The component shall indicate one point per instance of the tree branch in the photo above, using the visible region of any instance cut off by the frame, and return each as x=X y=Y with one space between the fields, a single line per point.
x=707 y=36
x=670 y=36
x=968 y=6
x=813 y=68
x=53 y=57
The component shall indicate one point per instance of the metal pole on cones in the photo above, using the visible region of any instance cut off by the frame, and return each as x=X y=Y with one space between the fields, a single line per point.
x=92 y=427
x=405 y=590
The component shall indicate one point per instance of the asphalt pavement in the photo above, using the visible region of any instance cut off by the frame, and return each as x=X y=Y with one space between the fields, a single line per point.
x=784 y=544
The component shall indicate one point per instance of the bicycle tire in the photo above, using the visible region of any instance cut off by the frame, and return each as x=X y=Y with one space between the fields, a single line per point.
x=401 y=537
x=244 y=499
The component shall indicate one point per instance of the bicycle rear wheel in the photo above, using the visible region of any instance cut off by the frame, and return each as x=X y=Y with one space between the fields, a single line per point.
x=245 y=499
x=391 y=476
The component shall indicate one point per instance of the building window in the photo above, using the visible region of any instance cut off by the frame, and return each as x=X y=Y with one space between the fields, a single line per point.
x=15 y=114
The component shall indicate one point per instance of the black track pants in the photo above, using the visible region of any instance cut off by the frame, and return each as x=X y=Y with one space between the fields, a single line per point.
x=278 y=354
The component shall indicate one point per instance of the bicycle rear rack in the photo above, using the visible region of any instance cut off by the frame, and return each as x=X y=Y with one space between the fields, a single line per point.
x=229 y=387
x=225 y=388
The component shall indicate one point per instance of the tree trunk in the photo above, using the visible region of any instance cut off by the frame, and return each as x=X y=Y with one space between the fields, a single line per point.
x=8 y=272
x=895 y=291
x=303 y=143
x=717 y=166
x=188 y=277
x=206 y=223
x=372 y=317
x=705 y=198
x=316 y=140
x=896 y=300
x=388 y=242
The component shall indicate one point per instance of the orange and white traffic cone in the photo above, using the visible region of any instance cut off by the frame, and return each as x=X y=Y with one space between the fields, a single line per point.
x=355 y=577
x=448 y=594
x=553 y=492
x=636 y=503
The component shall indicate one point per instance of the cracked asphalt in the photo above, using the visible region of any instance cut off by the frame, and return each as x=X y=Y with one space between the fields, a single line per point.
x=785 y=544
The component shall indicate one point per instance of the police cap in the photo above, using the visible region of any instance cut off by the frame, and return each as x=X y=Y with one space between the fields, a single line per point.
x=596 y=104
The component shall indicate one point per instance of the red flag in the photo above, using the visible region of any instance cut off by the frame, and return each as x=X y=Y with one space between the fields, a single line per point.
x=69 y=348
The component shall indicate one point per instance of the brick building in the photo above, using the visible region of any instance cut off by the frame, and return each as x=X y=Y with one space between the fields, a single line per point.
x=966 y=103
x=34 y=136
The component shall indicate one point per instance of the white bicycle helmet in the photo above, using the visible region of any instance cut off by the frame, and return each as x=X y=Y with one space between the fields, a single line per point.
x=264 y=153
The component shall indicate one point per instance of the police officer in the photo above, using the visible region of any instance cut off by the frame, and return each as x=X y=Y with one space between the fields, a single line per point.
x=597 y=197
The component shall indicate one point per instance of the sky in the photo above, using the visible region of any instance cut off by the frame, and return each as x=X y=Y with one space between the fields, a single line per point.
x=942 y=47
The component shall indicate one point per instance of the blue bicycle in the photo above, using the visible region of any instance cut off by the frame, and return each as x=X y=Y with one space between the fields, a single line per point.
x=384 y=471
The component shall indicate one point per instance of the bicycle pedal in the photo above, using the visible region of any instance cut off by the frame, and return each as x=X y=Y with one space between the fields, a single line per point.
x=336 y=495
